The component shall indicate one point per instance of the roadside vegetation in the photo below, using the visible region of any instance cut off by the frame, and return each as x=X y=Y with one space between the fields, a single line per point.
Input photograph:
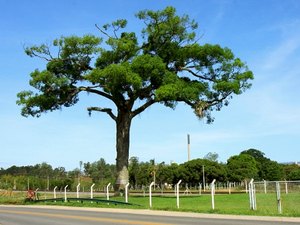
x=248 y=164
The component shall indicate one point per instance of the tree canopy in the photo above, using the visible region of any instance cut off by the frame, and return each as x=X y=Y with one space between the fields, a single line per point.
x=164 y=64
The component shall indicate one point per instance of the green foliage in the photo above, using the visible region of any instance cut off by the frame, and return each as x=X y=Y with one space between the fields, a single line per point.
x=133 y=169
x=267 y=169
x=167 y=174
x=291 y=172
x=242 y=167
x=191 y=172
x=169 y=66
x=100 y=171
x=56 y=85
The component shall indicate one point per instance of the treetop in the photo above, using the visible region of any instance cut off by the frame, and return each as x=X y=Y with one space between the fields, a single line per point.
x=168 y=67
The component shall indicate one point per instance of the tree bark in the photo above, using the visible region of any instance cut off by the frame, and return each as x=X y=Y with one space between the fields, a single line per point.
x=123 y=123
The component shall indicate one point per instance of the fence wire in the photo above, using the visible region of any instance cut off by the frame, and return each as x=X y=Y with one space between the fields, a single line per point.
x=278 y=196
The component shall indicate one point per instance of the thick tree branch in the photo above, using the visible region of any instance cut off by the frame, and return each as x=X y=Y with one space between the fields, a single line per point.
x=143 y=107
x=106 y=110
x=95 y=91
x=188 y=103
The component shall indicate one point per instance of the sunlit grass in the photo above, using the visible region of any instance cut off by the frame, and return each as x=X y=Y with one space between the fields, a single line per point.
x=237 y=204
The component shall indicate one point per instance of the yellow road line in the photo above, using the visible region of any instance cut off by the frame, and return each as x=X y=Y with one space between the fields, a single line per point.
x=109 y=220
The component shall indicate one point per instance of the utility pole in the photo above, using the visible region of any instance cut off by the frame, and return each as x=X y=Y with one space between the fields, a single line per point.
x=189 y=151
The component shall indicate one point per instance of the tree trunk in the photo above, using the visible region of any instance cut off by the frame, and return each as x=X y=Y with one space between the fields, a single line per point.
x=123 y=124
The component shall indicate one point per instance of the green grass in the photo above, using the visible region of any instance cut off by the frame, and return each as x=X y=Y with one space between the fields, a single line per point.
x=237 y=204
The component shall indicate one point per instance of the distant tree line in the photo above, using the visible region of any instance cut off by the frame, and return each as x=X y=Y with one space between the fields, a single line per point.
x=248 y=164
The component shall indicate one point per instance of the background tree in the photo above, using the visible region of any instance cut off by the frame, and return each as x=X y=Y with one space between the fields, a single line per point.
x=272 y=171
x=212 y=156
x=164 y=174
x=144 y=175
x=192 y=171
x=100 y=171
x=168 y=67
x=267 y=169
x=291 y=171
x=133 y=171
x=241 y=167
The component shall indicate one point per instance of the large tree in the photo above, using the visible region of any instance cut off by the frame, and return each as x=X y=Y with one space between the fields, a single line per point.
x=165 y=64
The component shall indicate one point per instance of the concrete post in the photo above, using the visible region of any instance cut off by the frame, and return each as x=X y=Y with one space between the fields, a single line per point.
x=126 y=192
x=54 y=192
x=92 y=191
x=213 y=194
x=77 y=190
x=66 y=192
x=177 y=193
x=107 y=191
x=150 y=194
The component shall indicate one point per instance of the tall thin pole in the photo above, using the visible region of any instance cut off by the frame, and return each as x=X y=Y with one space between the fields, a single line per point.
x=189 y=151
x=203 y=177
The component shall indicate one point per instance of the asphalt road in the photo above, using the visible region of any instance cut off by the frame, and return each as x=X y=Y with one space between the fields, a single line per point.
x=37 y=215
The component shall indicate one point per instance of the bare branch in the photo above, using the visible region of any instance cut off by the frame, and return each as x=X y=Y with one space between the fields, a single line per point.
x=95 y=91
x=102 y=31
x=195 y=74
x=106 y=110
x=218 y=100
x=115 y=31
x=39 y=56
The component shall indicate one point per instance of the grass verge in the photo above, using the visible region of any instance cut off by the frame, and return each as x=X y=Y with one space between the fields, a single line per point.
x=236 y=204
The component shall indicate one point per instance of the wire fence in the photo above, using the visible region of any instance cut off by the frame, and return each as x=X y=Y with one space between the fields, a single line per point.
x=264 y=197
x=278 y=196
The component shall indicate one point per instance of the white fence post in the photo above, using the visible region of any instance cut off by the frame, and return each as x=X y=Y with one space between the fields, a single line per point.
x=36 y=194
x=126 y=192
x=252 y=195
x=265 y=186
x=229 y=188
x=54 y=192
x=177 y=193
x=286 y=188
x=212 y=194
x=92 y=191
x=107 y=191
x=278 y=197
x=66 y=192
x=150 y=194
x=200 y=187
x=77 y=190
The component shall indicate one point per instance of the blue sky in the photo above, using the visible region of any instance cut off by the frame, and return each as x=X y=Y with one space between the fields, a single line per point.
x=264 y=33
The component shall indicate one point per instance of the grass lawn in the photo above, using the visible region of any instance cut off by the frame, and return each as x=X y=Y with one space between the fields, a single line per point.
x=237 y=204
